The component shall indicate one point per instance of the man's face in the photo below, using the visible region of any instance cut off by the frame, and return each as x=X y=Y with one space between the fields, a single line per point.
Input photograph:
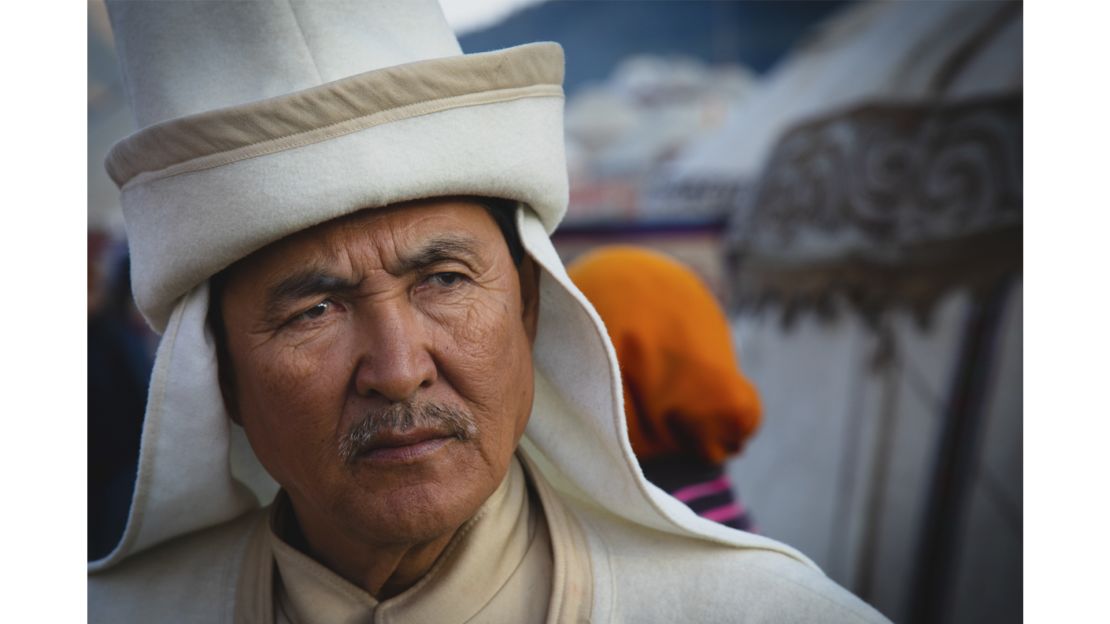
x=382 y=367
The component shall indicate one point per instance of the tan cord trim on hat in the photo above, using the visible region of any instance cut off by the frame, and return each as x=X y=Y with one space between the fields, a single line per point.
x=346 y=127
x=222 y=136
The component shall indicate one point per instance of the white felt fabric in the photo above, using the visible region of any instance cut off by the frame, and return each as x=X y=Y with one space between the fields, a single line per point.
x=184 y=480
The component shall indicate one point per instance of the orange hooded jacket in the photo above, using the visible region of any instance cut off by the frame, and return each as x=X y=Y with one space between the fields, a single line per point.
x=684 y=394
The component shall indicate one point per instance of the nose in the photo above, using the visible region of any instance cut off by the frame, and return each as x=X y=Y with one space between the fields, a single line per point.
x=395 y=359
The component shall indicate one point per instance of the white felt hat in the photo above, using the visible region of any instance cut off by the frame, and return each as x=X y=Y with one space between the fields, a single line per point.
x=261 y=119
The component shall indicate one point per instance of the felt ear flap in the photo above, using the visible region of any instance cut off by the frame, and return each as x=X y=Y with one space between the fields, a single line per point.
x=185 y=432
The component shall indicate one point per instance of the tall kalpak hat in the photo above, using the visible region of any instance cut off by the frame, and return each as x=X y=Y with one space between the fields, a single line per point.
x=261 y=119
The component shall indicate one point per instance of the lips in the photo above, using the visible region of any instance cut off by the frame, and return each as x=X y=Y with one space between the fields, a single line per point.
x=404 y=446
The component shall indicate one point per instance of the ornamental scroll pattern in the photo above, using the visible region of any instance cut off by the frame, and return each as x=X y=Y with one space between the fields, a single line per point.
x=854 y=202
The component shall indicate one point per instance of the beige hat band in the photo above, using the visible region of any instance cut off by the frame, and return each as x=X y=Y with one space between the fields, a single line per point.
x=227 y=135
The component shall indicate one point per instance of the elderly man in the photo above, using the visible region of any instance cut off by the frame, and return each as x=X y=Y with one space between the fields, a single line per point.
x=378 y=397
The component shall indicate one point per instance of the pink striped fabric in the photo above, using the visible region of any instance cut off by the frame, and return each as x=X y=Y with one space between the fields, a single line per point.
x=722 y=513
x=699 y=490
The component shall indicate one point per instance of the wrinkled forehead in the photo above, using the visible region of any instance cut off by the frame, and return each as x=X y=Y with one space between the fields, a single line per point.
x=379 y=236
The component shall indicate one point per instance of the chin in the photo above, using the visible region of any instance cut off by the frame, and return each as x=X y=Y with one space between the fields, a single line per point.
x=415 y=513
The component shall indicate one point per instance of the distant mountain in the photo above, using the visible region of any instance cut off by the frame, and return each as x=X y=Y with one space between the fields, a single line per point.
x=597 y=34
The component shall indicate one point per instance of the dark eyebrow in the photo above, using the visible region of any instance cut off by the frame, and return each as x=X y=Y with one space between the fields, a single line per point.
x=440 y=249
x=302 y=285
x=312 y=281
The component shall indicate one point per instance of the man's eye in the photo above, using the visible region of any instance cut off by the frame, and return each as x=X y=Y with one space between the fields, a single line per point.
x=314 y=312
x=446 y=279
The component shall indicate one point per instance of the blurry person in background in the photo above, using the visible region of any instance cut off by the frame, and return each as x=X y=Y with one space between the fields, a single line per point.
x=96 y=243
x=688 y=405
x=120 y=356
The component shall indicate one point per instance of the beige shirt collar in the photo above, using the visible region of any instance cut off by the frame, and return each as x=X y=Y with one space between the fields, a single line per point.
x=497 y=568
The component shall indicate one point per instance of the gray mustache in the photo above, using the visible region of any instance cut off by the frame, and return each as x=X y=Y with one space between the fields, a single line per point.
x=402 y=417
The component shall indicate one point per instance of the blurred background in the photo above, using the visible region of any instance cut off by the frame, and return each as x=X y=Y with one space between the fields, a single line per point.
x=847 y=179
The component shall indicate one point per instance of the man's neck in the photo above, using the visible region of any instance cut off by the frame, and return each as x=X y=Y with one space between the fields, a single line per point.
x=382 y=570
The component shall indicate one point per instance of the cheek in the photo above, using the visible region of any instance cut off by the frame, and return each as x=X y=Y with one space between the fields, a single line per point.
x=486 y=357
x=289 y=399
